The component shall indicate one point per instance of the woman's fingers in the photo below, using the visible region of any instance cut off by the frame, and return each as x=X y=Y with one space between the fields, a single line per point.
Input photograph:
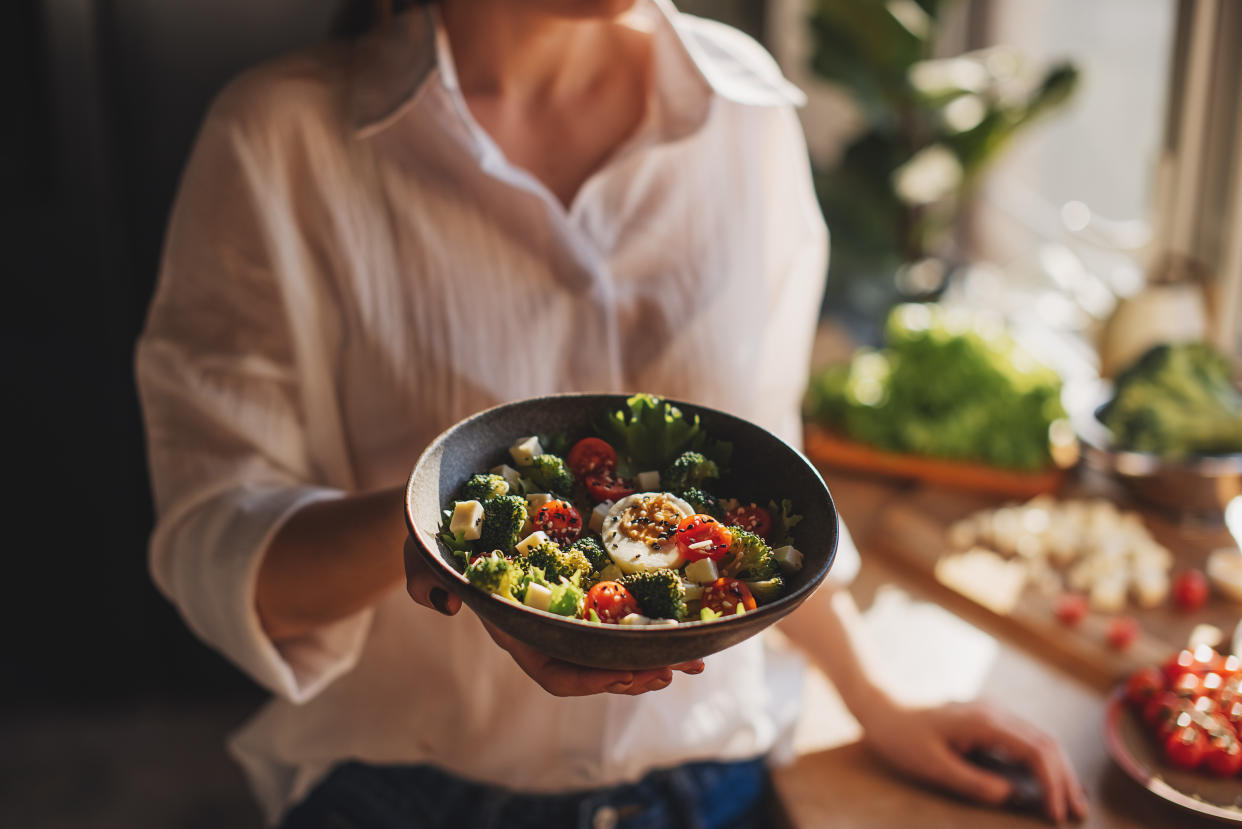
x=564 y=679
x=1063 y=795
x=424 y=585
x=971 y=782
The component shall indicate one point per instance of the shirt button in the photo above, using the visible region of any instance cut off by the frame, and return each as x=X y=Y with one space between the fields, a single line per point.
x=605 y=818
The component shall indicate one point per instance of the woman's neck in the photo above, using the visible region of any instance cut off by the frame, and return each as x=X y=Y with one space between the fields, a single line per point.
x=504 y=49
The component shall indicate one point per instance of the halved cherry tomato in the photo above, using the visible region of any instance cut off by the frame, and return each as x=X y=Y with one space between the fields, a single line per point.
x=751 y=517
x=559 y=520
x=725 y=594
x=591 y=455
x=1223 y=757
x=1185 y=747
x=1121 y=633
x=610 y=601
x=1190 y=590
x=1071 y=608
x=1143 y=685
x=604 y=485
x=698 y=530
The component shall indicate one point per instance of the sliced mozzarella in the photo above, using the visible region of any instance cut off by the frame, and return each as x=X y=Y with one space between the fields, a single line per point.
x=788 y=558
x=598 y=515
x=538 y=596
x=635 y=555
x=525 y=450
x=693 y=592
x=648 y=481
x=512 y=477
x=703 y=571
x=467 y=519
x=531 y=541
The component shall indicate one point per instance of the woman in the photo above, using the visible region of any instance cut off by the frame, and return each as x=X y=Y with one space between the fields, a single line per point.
x=476 y=202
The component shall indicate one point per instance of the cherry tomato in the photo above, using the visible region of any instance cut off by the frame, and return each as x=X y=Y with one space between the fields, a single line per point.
x=1223 y=757
x=604 y=485
x=1183 y=662
x=591 y=455
x=1185 y=747
x=1162 y=709
x=1188 y=685
x=1233 y=715
x=1071 y=608
x=698 y=529
x=752 y=518
x=610 y=601
x=559 y=520
x=725 y=594
x=1143 y=685
x=1122 y=631
x=1190 y=590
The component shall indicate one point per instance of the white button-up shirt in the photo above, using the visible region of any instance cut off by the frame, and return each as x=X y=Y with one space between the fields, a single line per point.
x=352 y=265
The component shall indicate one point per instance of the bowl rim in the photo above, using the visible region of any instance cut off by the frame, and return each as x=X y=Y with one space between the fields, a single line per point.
x=429 y=551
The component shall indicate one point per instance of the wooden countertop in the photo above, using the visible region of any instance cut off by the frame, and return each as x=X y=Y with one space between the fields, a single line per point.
x=844 y=786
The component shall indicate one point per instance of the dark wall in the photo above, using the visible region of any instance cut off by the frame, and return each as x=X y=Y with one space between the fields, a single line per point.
x=109 y=96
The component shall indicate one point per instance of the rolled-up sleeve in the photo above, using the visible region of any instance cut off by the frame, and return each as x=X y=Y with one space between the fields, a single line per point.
x=221 y=391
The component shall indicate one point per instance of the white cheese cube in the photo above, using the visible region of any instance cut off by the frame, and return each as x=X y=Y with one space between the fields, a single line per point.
x=467 y=519
x=525 y=450
x=598 y=515
x=1108 y=595
x=702 y=571
x=512 y=477
x=635 y=619
x=693 y=592
x=1151 y=586
x=538 y=596
x=789 y=559
x=611 y=572
x=535 y=501
x=531 y=541
x=648 y=481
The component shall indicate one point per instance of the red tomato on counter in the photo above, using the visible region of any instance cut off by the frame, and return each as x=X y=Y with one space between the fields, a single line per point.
x=1144 y=685
x=1190 y=590
x=1071 y=608
x=1122 y=631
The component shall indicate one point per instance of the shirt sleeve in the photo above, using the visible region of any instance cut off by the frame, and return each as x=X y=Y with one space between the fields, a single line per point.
x=220 y=388
x=794 y=297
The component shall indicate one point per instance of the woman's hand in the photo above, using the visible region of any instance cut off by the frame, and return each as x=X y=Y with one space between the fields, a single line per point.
x=930 y=744
x=557 y=677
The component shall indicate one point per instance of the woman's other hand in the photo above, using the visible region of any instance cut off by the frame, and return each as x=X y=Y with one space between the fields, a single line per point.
x=557 y=677
x=930 y=744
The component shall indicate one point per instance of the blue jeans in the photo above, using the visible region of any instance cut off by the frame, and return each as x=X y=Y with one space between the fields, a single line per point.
x=695 y=796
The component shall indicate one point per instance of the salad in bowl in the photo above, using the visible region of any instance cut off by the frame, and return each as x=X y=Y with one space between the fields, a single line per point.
x=622 y=532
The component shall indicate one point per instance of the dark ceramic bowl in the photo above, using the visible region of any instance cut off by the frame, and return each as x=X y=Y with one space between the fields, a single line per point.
x=763 y=467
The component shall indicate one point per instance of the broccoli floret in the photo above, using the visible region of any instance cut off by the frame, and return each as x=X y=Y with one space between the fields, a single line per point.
x=1176 y=400
x=503 y=519
x=530 y=575
x=484 y=486
x=703 y=502
x=550 y=474
x=749 y=557
x=593 y=551
x=768 y=590
x=659 y=593
x=567 y=599
x=496 y=574
x=557 y=563
x=689 y=470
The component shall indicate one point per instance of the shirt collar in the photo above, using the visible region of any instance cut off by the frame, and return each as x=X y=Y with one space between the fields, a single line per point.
x=695 y=59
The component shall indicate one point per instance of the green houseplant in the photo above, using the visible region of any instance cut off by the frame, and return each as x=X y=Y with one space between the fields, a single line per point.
x=931 y=125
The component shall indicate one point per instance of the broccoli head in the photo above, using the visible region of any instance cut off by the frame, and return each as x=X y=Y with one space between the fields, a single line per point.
x=550 y=474
x=558 y=563
x=567 y=599
x=482 y=487
x=503 y=519
x=749 y=557
x=1176 y=400
x=593 y=551
x=659 y=593
x=496 y=574
x=689 y=470
x=703 y=502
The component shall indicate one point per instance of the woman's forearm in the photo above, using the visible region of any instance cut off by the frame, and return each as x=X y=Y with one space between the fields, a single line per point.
x=828 y=629
x=330 y=560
